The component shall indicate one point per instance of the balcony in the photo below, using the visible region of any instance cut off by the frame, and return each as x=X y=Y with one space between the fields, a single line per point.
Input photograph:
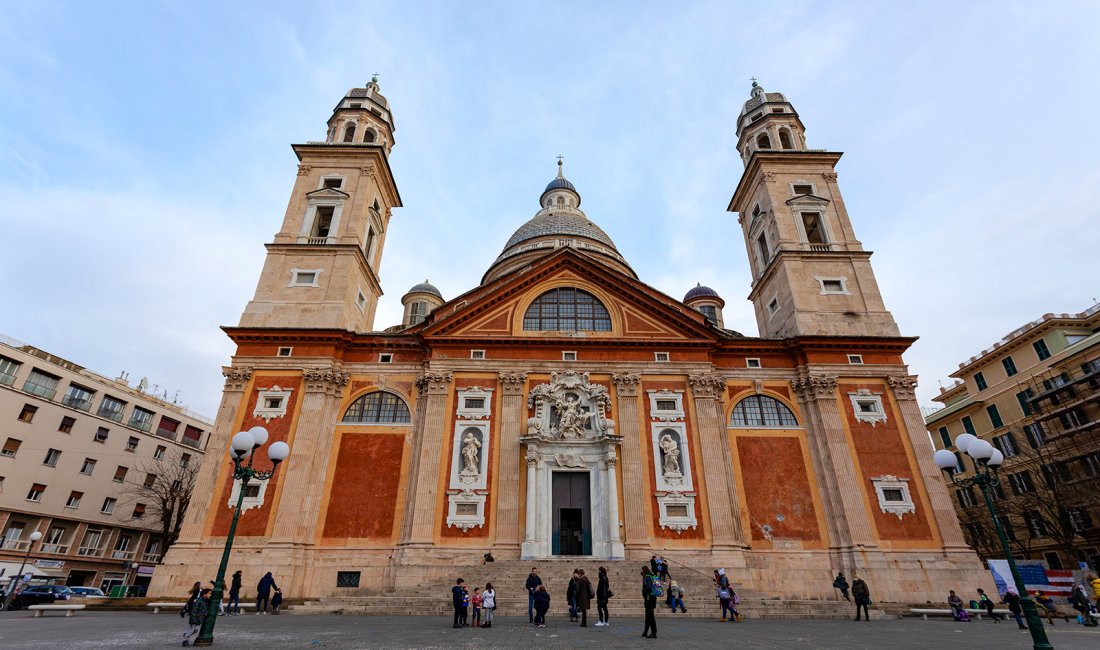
x=316 y=240
x=55 y=549
x=110 y=415
x=6 y=379
x=37 y=389
x=89 y=551
x=819 y=248
x=16 y=544
x=191 y=442
x=141 y=425
x=122 y=555
x=152 y=558
x=166 y=433
x=77 y=402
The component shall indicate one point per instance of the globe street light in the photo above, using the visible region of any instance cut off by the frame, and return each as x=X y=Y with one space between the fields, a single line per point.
x=987 y=460
x=35 y=536
x=244 y=443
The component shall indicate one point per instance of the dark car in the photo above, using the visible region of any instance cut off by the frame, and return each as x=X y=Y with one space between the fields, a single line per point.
x=43 y=595
x=88 y=592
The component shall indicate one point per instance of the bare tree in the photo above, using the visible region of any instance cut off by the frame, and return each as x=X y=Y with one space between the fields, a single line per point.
x=163 y=488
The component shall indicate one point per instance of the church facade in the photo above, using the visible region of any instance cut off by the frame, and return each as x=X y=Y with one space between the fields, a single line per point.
x=563 y=407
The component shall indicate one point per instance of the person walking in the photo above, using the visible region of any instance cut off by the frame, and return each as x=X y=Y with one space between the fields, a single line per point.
x=650 y=591
x=542 y=605
x=1079 y=600
x=985 y=603
x=196 y=589
x=234 y=606
x=603 y=594
x=863 y=597
x=724 y=593
x=1012 y=599
x=533 y=583
x=841 y=583
x=488 y=604
x=458 y=598
x=198 y=610
x=676 y=597
x=662 y=569
x=571 y=596
x=584 y=594
x=263 y=592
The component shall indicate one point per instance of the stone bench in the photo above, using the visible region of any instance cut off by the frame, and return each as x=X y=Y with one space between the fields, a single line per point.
x=39 y=610
x=976 y=613
x=159 y=606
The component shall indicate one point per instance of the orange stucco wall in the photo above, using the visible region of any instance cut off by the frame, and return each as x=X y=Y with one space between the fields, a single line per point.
x=365 y=486
x=776 y=482
x=488 y=453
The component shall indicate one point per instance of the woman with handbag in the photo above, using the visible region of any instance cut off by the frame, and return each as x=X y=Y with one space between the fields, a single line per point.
x=603 y=594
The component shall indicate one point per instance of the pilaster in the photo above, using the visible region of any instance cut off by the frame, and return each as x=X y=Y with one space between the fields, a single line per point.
x=424 y=475
x=512 y=417
x=722 y=499
x=635 y=491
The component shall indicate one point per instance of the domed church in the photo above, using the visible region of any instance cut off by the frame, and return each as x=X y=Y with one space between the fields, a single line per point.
x=563 y=408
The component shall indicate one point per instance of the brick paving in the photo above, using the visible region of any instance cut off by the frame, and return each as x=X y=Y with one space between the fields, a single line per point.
x=146 y=630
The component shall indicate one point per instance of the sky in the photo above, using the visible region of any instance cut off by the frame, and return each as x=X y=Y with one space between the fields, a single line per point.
x=145 y=154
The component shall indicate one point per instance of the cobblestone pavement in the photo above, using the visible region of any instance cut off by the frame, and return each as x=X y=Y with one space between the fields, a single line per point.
x=146 y=630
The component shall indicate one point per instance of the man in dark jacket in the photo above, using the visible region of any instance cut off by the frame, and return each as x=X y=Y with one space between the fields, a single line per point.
x=863 y=597
x=533 y=582
x=584 y=596
x=603 y=594
x=458 y=599
x=650 y=599
x=842 y=584
x=263 y=592
x=571 y=596
x=234 y=606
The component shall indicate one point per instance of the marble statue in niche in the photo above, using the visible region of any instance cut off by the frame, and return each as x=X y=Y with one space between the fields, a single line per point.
x=670 y=452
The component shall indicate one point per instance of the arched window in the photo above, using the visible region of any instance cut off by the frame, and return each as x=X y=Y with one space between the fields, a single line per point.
x=378 y=408
x=349 y=133
x=763 y=141
x=369 y=136
x=785 y=139
x=567 y=309
x=762 y=411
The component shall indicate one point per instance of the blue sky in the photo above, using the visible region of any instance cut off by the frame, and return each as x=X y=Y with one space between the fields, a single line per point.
x=145 y=159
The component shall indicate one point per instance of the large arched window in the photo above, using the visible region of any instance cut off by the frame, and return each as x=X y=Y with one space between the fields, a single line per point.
x=378 y=408
x=567 y=309
x=763 y=141
x=349 y=133
x=762 y=411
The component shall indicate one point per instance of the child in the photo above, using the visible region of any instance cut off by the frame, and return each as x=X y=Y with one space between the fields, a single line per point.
x=464 y=612
x=542 y=605
x=476 y=602
x=276 y=600
x=489 y=603
x=196 y=616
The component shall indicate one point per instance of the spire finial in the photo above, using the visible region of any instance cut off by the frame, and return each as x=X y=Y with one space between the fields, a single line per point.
x=560 y=159
x=374 y=78
x=754 y=84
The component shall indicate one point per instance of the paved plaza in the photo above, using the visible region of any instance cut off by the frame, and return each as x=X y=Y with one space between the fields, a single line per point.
x=145 y=630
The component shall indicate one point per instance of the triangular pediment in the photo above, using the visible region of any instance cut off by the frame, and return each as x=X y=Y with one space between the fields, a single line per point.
x=638 y=311
x=807 y=199
x=327 y=193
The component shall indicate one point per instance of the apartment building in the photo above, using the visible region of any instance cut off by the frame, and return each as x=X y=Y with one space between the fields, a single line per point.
x=92 y=464
x=1035 y=395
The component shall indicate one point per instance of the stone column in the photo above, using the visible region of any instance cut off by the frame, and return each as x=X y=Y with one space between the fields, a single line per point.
x=424 y=474
x=303 y=478
x=530 y=541
x=833 y=459
x=722 y=499
x=904 y=387
x=617 y=550
x=635 y=485
x=512 y=418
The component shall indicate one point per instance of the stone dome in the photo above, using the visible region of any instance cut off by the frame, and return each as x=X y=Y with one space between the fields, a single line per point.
x=557 y=223
x=425 y=287
x=699 y=292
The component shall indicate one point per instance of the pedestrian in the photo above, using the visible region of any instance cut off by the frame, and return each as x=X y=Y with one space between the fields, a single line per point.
x=464 y=620
x=662 y=566
x=571 y=596
x=196 y=589
x=276 y=600
x=1012 y=599
x=458 y=593
x=985 y=603
x=584 y=594
x=488 y=604
x=676 y=596
x=603 y=594
x=734 y=601
x=1079 y=599
x=533 y=582
x=653 y=568
x=651 y=590
x=958 y=610
x=263 y=592
x=542 y=605
x=842 y=584
x=475 y=600
x=724 y=593
x=1094 y=582
x=863 y=597
x=198 y=610
x=234 y=607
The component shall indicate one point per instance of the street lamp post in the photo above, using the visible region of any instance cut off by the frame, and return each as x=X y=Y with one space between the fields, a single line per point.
x=243 y=444
x=35 y=536
x=987 y=460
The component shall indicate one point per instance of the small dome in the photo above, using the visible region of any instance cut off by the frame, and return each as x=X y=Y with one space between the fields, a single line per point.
x=699 y=291
x=425 y=287
x=559 y=184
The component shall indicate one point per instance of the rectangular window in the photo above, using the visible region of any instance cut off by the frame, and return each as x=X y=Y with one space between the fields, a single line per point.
x=815 y=234
x=855 y=359
x=347 y=579
x=88 y=467
x=66 y=424
x=803 y=189
x=191 y=435
x=74 y=499
x=968 y=425
x=333 y=183
x=185 y=460
x=385 y=357
x=474 y=403
x=361 y=301
x=966 y=497
x=477 y=354
x=1041 y=349
x=945 y=437
x=665 y=404
x=322 y=221
x=568 y=356
x=27 y=414
x=101 y=434
x=752 y=363
x=1020 y=482
x=141 y=419
x=167 y=428
x=762 y=247
x=1005 y=444
x=1091 y=464
x=52 y=456
x=150 y=480
x=1036 y=527
x=8 y=368
x=1024 y=398
x=41 y=384
x=120 y=474
x=35 y=493
x=661 y=357
x=773 y=306
x=139 y=511
x=11 y=447
x=1053 y=560
x=832 y=286
x=272 y=403
x=1036 y=437
x=132 y=444
x=159 y=453
x=252 y=491
x=1080 y=519
x=78 y=397
x=111 y=408
x=994 y=416
x=304 y=279
x=285 y=351
x=1010 y=366
x=108 y=506
x=979 y=379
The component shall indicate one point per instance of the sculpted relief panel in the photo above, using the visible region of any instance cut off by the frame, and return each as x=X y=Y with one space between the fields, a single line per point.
x=569 y=408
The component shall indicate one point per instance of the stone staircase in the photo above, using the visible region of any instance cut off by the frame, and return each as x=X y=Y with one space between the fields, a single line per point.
x=508 y=578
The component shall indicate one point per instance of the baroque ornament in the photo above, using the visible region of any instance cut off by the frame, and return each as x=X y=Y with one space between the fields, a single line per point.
x=434 y=383
x=513 y=382
x=626 y=385
x=815 y=386
x=569 y=408
x=904 y=386
x=327 y=380
x=236 y=377
x=706 y=386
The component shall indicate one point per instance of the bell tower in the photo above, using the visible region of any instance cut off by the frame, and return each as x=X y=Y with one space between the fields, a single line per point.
x=322 y=267
x=811 y=276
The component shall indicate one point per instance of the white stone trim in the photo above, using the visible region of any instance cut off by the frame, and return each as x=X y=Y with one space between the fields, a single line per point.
x=867 y=406
x=457 y=501
x=891 y=482
x=266 y=412
x=674 y=415
x=672 y=482
x=461 y=480
x=676 y=521
x=249 y=502
x=294 y=277
x=474 y=413
x=827 y=292
x=337 y=204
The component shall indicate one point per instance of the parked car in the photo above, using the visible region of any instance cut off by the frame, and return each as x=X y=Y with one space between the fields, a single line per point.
x=88 y=592
x=42 y=595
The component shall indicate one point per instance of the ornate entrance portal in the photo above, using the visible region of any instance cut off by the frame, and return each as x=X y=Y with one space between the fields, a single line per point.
x=572 y=486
